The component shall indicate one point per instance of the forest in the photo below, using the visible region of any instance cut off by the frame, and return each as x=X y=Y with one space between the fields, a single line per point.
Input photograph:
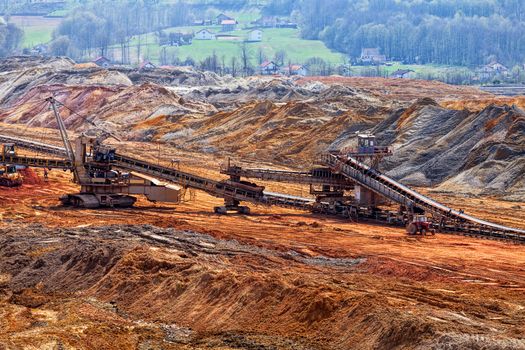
x=462 y=32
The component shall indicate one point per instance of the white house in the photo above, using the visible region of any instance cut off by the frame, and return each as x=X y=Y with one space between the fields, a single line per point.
x=254 y=35
x=205 y=34
x=268 y=68
x=372 y=55
x=294 y=69
x=147 y=65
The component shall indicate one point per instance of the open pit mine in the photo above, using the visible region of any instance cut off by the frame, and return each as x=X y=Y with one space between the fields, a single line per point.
x=177 y=209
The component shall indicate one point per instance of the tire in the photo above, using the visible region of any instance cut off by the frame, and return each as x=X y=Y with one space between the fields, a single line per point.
x=411 y=229
x=423 y=232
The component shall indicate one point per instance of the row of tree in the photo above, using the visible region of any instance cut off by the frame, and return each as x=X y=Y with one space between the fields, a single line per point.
x=462 y=32
x=10 y=37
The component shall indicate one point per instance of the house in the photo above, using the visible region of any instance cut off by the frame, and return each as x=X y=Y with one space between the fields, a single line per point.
x=102 y=62
x=294 y=69
x=402 y=73
x=254 y=35
x=372 y=56
x=205 y=34
x=39 y=50
x=147 y=65
x=497 y=68
x=492 y=69
x=228 y=25
x=199 y=22
x=222 y=17
x=268 y=68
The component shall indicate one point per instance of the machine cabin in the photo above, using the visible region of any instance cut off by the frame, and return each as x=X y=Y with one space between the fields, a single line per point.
x=367 y=147
x=8 y=150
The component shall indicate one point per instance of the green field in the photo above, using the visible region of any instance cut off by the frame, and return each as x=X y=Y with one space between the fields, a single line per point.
x=37 y=29
x=297 y=50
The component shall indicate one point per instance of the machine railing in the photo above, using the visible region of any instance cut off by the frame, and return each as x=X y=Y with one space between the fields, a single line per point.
x=396 y=192
x=314 y=177
x=348 y=167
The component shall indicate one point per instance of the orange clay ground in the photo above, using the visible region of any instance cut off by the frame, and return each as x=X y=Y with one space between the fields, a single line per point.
x=185 y=278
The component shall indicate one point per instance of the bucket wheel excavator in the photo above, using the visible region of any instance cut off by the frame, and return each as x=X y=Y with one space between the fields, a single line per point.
x=101 y=185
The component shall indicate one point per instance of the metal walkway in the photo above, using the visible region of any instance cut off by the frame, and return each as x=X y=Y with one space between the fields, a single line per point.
x=218 y=189
x=398 y=193
x=353 y=170
x=319 y=176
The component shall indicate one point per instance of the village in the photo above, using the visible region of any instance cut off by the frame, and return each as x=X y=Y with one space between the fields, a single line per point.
x=271 y=45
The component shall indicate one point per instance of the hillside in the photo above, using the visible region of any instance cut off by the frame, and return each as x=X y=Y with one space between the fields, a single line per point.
x=179 y=276
x=287 y=121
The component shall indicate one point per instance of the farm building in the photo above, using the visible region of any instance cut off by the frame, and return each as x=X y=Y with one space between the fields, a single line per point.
x=102 y=62
x=223 y=17
x=205 y=34
x=228 y=25
x=147 y=65
x=268 y=68
x=294 y=69
x=254 y=35
x=372 y=55
x=402 y=73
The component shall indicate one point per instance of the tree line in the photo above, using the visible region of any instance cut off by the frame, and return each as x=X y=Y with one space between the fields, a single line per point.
x=462 y=32
x=10 y=37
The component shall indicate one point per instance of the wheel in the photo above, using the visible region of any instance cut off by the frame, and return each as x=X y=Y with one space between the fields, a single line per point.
x=412 y=229
x=423 y=232
x=220 y=210
x=76 y=202
x=244 y=210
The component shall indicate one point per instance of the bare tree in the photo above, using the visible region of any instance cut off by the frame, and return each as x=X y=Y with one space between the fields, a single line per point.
x=233 y=67
x=261 y=57
x=245 y=59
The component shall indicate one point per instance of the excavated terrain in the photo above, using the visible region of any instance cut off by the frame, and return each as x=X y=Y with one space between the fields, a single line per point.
x=166 y=276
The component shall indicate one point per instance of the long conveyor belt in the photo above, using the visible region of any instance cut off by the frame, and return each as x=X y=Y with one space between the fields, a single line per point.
x=320 y=176
x=347 y=166
x=396 y=192
x=215 y=188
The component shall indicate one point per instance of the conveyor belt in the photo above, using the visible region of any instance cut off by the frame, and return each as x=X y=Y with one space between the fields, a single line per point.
x=36 y=162
x=396 y=192
x=347 y=166
x=314 y=177
x=33 y=145
x=215 y=188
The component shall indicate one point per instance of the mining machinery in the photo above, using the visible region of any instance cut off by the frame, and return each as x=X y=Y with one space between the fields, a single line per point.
x=101 y=184
x=345 y=183
x=9 y=175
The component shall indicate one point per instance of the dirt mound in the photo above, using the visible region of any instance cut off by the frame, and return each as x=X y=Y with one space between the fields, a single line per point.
x=31 y=177
x=471 y=151
x=21 y=63
x=114 y=108
x=193 y=286
x=405 y=90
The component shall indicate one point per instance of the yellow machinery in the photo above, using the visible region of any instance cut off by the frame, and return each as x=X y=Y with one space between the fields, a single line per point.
x=9 y=175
